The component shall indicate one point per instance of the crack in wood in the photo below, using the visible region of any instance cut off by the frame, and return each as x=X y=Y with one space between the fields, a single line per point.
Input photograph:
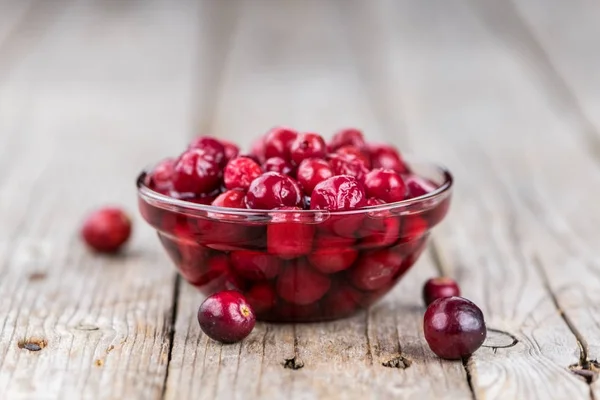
x=293 y=363
x=399 y=362
x=169 y=330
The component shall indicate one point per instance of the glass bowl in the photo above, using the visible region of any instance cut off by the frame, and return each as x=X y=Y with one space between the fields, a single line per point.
x=300 y=266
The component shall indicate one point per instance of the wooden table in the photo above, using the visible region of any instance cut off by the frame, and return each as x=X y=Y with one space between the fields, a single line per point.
x=507 y=94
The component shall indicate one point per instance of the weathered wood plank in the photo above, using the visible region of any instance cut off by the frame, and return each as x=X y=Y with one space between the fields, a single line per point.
x=305 y=77
x=470 y=102
x=104 y=91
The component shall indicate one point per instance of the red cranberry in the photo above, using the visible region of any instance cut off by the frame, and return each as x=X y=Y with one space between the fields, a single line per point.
x=376 y=269
x=226 y=317
x=385 y=184
x=262 y=297
x=277 y=164
x=196 y=173
x=211 y=147
x=288 y=236
x=438 y=288
x=289 y=312
x=332 y=254
x=341 y=301
x=162 y=175
x=254 y=265
x=299 y=284
x=273 y=190
x=307 y=145
x=106 y=230
x=337 y=193
x=454 y=327
x=418 y=186
x=348 y=165
x=257 y=152
x=384 y=156
x=231 y=150
x=278 y=141
x=240 y=172
x=345 y=137
x=379 y=230
x=353 y=151
x=413 y=227
x=235 y=198
x=311 y=172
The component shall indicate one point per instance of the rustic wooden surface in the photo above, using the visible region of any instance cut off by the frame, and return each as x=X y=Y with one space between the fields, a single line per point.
x=504 y=93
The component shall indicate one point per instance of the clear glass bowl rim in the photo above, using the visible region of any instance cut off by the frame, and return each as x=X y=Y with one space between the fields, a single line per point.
x=170 y=203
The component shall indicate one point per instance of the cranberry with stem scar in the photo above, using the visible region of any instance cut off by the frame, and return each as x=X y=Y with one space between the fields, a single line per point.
x=106 y=230
x=438 y=288
x=226 y=317
x=454 y=327
x=307 y=145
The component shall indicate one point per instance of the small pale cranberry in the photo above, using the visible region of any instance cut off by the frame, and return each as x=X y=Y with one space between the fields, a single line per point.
x=277 y=164
x=375 y=269
x=417 y=186
x=385 y=184
x=348 y=165
x=278 y=141
x=226 y=317
x=307 y=145
x=231 y=150
x=106 y=230
x=353 y=151
x=341 y=192
x=288 y=235
x=300 y=284
x=161 y=177
x=311 y=172
x=454 y=327
x=347 y=137
x=211 y=147
x=262 y=297
x=196 y=173
x=384 y=156
x=255 y=265
x=438 y=288
x=273 y=190
x=235 y=198
x=240 y=172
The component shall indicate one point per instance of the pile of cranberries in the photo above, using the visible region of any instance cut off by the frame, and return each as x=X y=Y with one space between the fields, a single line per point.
x=284 y=231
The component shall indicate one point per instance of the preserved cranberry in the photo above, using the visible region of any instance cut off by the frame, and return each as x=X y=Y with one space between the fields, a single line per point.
x=288 y=236
x=311 y=172
x=348 y=165
x=300 y=284
x=454 y=327
x=384 y=156
x=413 y=227
x=296 y=312
x=385 y=184
x=262 y=297
x=338 y=193
x=106 y=230
x=240 y=172
x=375 y=269
x=417 y=186
x=347 y=137
x=273 y=190
x=231 y=150
x=330 y=260
x=277 y=164
x=307 y=145
x=226 y=317
x=196 y=173
x=235 y=198
x=379 y=230
x=438 y=288
x=278 y=141
x=254 y=265
x=341 y=301
x=161 y=176
x=353 y=151
x=211 y=147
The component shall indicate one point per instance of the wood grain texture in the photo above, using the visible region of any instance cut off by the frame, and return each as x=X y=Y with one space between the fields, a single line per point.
x=474 y=105
x=102 y=92
x=306 y=77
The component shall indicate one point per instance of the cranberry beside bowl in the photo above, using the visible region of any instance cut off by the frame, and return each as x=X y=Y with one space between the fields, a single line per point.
x=294 y=264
